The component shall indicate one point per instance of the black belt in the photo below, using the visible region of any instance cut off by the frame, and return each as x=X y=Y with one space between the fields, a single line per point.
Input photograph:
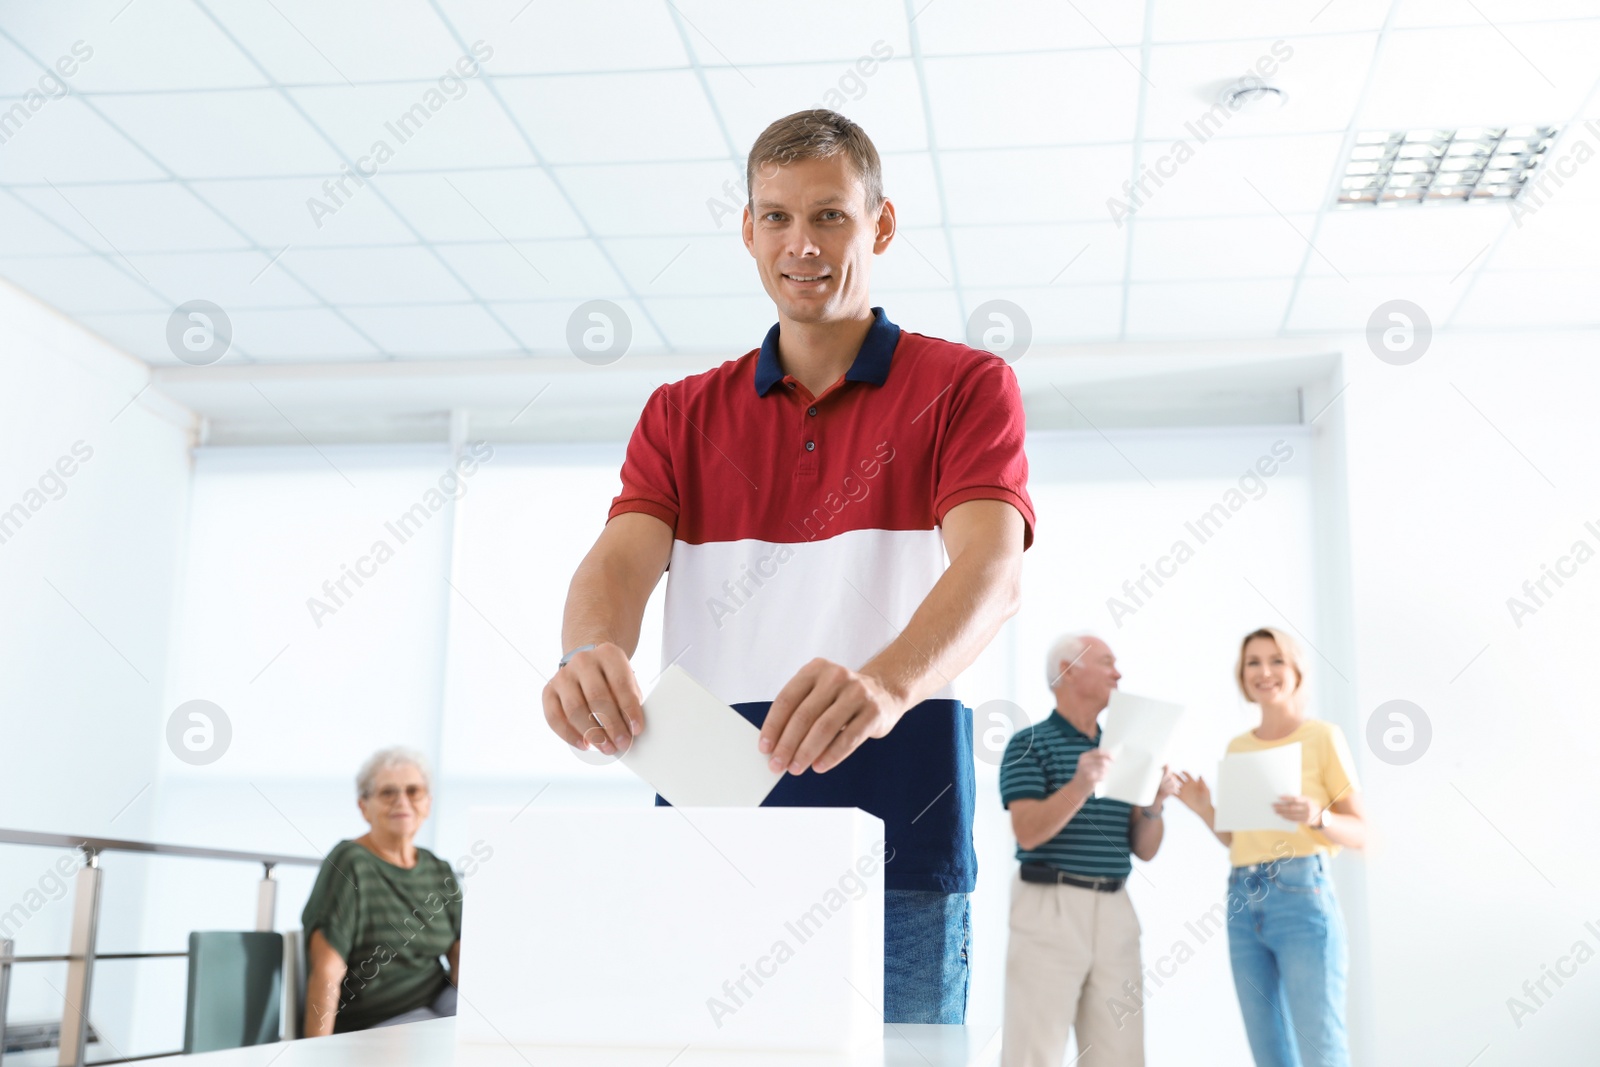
x=1048 y=875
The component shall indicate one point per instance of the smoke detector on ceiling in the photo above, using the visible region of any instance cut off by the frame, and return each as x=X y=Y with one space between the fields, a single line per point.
x=1253 y=96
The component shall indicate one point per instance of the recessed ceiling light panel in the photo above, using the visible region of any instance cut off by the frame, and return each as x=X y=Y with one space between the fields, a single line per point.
x=1479 y=164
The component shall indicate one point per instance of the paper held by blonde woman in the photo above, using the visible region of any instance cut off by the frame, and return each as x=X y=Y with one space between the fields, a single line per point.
x=1249 y=783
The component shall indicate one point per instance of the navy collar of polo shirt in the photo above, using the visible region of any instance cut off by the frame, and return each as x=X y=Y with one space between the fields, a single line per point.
x=871 y=363
x=1064 y=724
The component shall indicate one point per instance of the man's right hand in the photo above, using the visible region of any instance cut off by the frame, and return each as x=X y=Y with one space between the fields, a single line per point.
x=595 y=700
x=1093 y=766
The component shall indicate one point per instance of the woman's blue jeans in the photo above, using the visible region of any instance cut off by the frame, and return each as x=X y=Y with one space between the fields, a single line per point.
x=1286 y=938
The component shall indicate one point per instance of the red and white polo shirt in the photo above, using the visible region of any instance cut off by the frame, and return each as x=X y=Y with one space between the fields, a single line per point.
x=808 y=526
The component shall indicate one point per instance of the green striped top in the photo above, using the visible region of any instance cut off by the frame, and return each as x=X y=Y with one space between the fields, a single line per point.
x=1039 y=760
x=390 y=925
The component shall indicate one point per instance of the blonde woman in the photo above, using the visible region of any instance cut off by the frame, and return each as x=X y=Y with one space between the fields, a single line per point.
x=1286 y=934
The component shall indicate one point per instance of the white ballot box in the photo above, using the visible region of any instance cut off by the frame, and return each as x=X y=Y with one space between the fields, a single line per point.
x=747 y=928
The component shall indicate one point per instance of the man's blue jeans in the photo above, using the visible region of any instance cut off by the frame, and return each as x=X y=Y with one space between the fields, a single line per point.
x=1286 y=938
x=926 y=938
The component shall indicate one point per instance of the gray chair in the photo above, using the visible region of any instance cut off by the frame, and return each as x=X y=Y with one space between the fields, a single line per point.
x=235 y=990
x=294 y=985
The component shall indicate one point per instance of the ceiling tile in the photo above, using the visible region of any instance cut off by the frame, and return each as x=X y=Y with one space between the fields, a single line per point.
x=1077 y=98
x=1059 y=314
x=961 y=27
x=28 y=232
x=547 y=38
x=482 y=205
x=229 y=279
x=1561 y=234
x=375 y=275
x=685 y=266
x=301 y=213
x=301 y=41
x=541 y=325
x=1338 y=305
x=1034 y=185
x=21 y=73
x=1475 y=13
x=1448 y=240
x=607 y=118
x=435 y=330
x=65 y=141
x=909 y=184
x=1481 y=76
x=883 y=97
x=917 y=258
x=124 y=47
x=1237 y=176
x=1252 y=246
x=676 y=198
x=411 y=126
x=1322 y=76
x=1207 y=309
x=135 y=217
x=930 y=312
x=298 y=334
x=728 y=325
x=722 y=32
x=81 y=284
x=1040 y=255
x=1177 y=21
x=244 y=133
x=1532 y=298
x=141 y=334
x=534 y=270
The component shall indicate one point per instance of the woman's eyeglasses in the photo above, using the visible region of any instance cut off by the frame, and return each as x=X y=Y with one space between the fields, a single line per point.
x=389 y=793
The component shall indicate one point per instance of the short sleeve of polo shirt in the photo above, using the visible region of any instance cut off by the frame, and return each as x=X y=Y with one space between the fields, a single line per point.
x=649 y=483
x=981 y=453
x=1021 y=772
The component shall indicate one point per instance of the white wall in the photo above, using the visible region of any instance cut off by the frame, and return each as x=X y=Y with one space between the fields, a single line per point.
x=88 y=570
x=1470 y=470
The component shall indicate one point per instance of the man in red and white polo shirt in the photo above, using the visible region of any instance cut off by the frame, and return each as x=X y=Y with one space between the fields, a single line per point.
x=806 y=496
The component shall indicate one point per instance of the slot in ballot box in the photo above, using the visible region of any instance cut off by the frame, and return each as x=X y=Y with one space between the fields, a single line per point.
x=746 y=928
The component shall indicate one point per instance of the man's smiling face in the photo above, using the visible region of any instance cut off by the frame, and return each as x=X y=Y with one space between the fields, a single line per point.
x=813 y=238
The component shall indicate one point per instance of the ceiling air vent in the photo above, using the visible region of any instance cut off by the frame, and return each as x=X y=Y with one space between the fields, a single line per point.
x=1483 y=164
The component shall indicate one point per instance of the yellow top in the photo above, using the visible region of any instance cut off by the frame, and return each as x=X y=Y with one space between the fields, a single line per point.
x=1327 y=773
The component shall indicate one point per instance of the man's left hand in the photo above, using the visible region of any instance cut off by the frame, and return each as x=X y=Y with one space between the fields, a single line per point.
x=824 y=714
x=1170 y=784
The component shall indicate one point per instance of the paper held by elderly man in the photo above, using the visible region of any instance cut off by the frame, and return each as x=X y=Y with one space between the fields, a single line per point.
x=1138 y=734
x=713 y=923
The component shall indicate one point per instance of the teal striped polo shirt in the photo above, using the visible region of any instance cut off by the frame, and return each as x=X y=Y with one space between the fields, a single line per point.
x=1039 y=760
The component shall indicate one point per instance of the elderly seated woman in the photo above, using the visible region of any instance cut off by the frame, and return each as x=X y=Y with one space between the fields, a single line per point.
x=382 y=912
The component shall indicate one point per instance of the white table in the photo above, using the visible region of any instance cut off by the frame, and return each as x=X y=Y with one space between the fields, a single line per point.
x=433 y=1044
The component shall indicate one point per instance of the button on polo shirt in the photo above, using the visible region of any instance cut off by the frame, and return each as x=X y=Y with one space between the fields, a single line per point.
x=808 y=526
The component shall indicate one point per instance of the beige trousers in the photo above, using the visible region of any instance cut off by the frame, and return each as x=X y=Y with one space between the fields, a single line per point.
x=1072 y=962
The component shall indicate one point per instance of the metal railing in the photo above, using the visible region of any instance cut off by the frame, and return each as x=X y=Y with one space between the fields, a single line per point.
x=81 y=955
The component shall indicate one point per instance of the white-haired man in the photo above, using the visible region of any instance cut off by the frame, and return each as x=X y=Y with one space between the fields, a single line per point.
x=1074 y=945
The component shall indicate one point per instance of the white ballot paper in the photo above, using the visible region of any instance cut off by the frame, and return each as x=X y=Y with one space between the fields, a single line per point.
x=1249 y=783
x=1137 y=733
x=696 y=751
